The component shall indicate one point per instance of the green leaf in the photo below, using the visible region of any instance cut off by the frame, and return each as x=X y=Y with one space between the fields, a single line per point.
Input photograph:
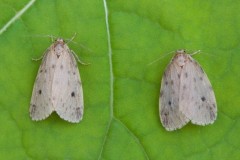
x=121 y=91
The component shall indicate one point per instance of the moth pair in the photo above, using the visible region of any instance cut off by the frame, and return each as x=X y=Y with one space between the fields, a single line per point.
x=186 y=94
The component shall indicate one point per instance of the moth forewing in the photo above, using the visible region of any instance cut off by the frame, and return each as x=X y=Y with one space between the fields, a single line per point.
x=40 y=105
x=197 y=100
x=170 y=115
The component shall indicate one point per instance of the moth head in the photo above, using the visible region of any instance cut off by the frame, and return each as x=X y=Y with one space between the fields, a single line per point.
x=181 y=57
x=59 y=47
x=59 y=41
x=181 y=51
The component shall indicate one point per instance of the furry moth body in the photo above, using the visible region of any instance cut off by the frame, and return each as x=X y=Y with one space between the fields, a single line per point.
x=186 y=94
x=57 y=86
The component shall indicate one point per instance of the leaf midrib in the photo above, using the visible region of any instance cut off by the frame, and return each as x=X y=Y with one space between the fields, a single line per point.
x=111 y=99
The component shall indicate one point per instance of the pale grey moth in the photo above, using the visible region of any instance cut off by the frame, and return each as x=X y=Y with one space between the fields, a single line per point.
x=186 y=94
x=58 y=85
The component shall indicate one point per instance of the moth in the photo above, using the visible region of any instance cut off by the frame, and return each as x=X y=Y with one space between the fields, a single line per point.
x=186 y=94
x=58 y=85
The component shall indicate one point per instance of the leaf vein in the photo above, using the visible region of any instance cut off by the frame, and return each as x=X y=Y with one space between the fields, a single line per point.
x=134 y=137
x=111 y=77
x=18 y=15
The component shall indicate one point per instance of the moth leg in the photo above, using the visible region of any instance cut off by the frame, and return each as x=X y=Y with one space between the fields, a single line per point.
x=70 y=40
x=75 y=55
x=37 y=59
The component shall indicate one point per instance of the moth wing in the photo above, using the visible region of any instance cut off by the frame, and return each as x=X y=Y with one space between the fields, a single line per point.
x=170 y=115
x=67 y=88
x=197 y=99
x=41 y=106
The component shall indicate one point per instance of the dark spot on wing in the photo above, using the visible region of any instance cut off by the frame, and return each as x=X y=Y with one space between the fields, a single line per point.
x=40 y=91
x=45 y=71
x=73 y=94
x=214 y=106
x=165 y=118
x=41 y=71
x=166 y=114
x=179 y=76
x=203 y=98
x=78 y=113
x=74 y=73
x=186 y=74
x=169 y=103
x=166 y=83
x=201 y=78
x=212 y=114
x=33 y=109
x=58 y=55
x=53 y=66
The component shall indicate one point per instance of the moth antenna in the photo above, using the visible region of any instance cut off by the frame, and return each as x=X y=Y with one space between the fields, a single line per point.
x=160 y=58
x=71 y=40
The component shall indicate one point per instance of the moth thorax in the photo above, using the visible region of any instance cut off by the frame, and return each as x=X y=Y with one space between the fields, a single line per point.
x=181 y=59
x=59 y=47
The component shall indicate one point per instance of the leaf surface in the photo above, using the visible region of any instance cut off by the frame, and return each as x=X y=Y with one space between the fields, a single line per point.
x=121 y=91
